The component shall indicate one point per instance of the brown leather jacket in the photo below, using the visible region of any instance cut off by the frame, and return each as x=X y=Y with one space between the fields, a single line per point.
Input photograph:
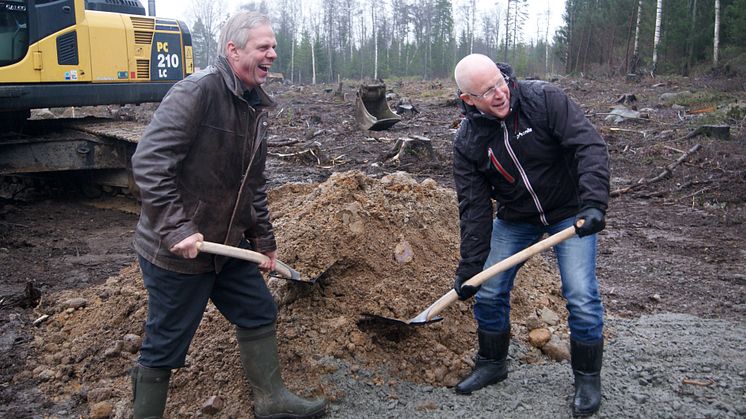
x=200 y=169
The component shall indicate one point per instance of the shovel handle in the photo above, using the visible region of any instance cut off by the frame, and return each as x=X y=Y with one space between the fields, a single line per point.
x=245 y=254
x=505 y=264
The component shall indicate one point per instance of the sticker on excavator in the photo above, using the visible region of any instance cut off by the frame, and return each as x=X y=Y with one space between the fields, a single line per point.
x=166 y=60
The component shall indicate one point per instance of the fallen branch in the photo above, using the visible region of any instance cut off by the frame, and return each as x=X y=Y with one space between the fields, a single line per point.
x=282 y=143
x=674 y=149
x=625 y=117
x=615 y=129
x=667 y=171
x=297 y=154
x=5 y=223
x=692 y=195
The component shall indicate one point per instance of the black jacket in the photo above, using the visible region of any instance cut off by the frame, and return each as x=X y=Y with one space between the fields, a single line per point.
x=541 y=164
x=200 y=168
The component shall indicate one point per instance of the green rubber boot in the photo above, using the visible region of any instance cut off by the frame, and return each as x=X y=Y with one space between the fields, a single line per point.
x=271 y=399
x=149 y=389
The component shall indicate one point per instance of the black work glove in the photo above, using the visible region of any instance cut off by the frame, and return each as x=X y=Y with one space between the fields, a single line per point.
x=595 y=221
x=464 y=293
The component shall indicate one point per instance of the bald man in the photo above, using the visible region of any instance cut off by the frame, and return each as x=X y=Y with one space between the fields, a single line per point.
x=528 y=147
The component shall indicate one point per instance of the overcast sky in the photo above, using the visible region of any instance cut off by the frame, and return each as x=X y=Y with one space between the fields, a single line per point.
x=181 y=9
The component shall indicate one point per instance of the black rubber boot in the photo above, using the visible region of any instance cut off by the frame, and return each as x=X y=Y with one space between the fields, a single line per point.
x=490 y=365
x=149 y=390
x=271 y=399
x=586 y=366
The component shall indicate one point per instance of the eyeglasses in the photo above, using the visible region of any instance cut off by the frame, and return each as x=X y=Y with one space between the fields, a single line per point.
x=501 y=82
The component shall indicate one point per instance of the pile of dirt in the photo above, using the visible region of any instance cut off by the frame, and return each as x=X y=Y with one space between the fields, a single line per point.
x=384 y=246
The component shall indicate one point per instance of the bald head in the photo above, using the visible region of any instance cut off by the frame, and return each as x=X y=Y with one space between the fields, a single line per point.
x=482 y=85
x=472 y=69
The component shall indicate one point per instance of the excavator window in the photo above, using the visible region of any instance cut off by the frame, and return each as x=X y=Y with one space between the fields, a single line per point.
x=13 y=31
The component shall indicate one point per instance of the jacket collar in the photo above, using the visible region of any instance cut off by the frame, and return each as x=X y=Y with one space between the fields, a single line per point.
x=234 y=84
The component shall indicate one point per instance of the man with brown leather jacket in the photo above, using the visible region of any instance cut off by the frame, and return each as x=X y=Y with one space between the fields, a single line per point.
x=200 y=170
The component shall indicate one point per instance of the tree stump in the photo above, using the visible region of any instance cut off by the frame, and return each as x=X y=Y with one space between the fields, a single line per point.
x=405 y=106
x=720 y=132
x=406 y=150
x=627 y=98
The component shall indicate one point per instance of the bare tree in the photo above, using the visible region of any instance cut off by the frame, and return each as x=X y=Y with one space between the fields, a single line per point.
x=546 y=41
x=473 y=20
x=636 y=50
x=375 y=40
x=467 y=11
x=313 y=29
x=520 y=14
x=657 y=39
x=716 y=37
x=690 y=40
x=507 y=31
x=212 y=14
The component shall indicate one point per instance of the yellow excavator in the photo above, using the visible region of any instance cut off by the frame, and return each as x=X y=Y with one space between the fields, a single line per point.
x=59 y=53
x=63 y=53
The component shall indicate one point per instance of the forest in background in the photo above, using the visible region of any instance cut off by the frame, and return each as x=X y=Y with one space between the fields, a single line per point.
x=322 y=41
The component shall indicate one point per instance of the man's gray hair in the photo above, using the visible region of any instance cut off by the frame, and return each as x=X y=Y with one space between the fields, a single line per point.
x=237 y=28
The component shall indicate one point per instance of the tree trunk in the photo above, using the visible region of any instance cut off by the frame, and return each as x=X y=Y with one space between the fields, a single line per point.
x=626 y=52
x=636 y=50
x=507 y=30
x=471 y=17
x=292 y=61
x=657 y=39
x=375 y=42
x=515 y=30
x=716 y=37
x=610 y=62
x=690 y=39
x=546 y=43
x=313 y=62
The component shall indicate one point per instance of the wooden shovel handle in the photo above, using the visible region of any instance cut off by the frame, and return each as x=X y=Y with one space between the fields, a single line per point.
x=245 y=254
x=505 y=264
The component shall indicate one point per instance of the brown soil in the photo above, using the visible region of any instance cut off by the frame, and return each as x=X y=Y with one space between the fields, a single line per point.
x=672 y=246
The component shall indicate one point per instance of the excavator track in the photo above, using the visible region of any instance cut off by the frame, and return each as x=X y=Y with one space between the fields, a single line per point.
x=92 y=154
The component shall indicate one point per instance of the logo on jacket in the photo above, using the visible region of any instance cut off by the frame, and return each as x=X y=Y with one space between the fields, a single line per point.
x=521 y=134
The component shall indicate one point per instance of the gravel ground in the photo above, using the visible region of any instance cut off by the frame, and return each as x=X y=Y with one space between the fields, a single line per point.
x=664 y=365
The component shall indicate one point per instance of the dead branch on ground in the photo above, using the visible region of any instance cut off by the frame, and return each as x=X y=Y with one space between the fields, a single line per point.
x=282 y=143
x=667 y=171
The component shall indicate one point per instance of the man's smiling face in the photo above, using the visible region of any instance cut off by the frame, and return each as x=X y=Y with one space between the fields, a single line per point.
x=252 y=61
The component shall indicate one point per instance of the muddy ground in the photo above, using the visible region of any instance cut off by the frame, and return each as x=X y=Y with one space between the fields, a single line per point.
x=671 y=267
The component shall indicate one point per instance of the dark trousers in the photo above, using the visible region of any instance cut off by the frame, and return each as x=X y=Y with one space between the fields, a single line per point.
x=176 y=303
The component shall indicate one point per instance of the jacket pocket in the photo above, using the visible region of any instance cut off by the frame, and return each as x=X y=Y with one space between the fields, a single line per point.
x=496 y=164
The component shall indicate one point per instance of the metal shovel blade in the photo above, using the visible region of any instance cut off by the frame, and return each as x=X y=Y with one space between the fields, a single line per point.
x=370 y=318
x=281 y=269
x=430 y=314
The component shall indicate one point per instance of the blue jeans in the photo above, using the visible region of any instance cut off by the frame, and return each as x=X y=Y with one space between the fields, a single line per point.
x=577 y=263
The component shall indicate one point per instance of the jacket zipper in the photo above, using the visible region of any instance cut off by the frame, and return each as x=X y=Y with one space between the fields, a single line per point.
x=522 y=172
x=499 y=167
x=254 y=146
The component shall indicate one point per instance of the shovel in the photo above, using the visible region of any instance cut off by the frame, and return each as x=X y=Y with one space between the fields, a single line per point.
x=284 y=270
x=429 y=315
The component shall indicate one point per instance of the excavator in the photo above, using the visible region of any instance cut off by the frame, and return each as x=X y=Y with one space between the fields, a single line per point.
x=72 y=53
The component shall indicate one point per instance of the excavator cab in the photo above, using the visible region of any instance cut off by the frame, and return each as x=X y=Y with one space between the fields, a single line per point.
x=60 y=53
x=13 y=31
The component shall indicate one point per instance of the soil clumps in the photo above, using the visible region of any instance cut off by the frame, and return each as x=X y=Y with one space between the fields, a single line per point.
x=385 y=246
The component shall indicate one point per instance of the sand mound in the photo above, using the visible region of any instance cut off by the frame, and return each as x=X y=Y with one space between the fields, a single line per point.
x=387 y=247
